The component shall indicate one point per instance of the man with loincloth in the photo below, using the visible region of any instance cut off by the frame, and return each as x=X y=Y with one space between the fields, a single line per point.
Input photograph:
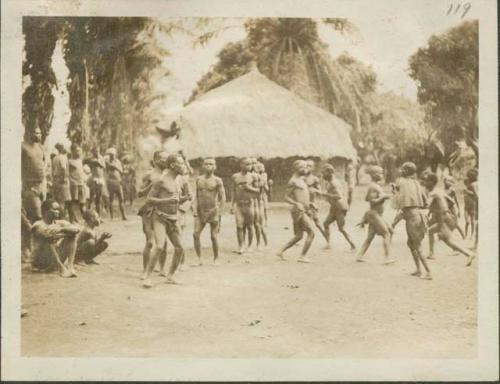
x=410 y=199
x=53 y=242
x=442 y=222
x=165 y=197
x=97 y=183
x=313 y=183
x=129 y=180
x=338 y=205
x=298 y=195
x=184 y=207
x=374 y=216
x=208 y=204
x=159 y=163
x=114 y=171
x=60 y=179
x=242 y=202
x=453 y=203
x=33 y=165
x=89 y=244
x=76 y=180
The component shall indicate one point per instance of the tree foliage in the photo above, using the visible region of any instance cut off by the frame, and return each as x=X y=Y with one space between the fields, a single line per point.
x=114 y=64
x=447 y=76
x=40 y=35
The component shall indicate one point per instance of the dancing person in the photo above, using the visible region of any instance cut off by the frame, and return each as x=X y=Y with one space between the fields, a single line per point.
x=452 y=201
x=208 y=205
x=410 y=198
x=338 y=206
x=53 y=241
x=165 y=197
x=114 y=171
x=89 y=244
x=313 y=183
x=442 y=222
x=242 y=202
x=261 y=204
x=376 y=197
x=470 y=202
x=298 y=196
x=158 y=165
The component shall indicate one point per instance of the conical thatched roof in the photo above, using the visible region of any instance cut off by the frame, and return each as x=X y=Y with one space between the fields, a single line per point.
x=253 y=116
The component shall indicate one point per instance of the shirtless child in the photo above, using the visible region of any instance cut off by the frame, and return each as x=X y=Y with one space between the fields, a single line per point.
x=242 y=202
x=338 y=205
x=165 y=196
x=298 y=195
x=443 y=222
x=208 y=204
x=261 y=170
x=89 y=245
x=374 y=216
x=410 y=198
x=53 y=241
x=158 y=163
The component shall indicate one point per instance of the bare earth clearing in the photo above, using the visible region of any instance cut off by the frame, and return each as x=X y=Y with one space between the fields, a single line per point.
x=254 y=305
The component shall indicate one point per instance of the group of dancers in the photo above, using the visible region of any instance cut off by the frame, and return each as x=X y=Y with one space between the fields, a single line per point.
x=59 y=244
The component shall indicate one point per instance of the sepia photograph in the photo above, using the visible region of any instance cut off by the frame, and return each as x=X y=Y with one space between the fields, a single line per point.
x=246 y=187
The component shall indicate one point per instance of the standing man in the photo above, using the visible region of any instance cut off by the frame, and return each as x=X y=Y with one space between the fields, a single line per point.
x=76 y=180
x=158 y=164
x=338 y=205
x=60 y=179
x=242 y=202
x=97 y=183
x=298 y=196
x=114 y=171
x=129 y=180
x=208 y=205
x=33 y=165
x=410 y=198
x=165 y=197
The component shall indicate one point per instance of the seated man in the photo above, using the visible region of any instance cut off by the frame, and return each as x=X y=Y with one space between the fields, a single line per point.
x=53 y=241
x=89 y=245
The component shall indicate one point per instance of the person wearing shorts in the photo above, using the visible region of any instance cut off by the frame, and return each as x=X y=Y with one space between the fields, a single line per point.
x=208 y=203
x=338 y=205
x=374 y=216
x=298 y=196
x=443 y=220
x=242 y=202
x=411 y=198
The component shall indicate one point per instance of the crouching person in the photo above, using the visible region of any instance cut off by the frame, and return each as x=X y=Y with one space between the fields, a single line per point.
x=53 y=241
x=89 y=244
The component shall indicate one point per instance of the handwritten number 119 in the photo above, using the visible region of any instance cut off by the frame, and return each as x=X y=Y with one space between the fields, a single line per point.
x=466 y=7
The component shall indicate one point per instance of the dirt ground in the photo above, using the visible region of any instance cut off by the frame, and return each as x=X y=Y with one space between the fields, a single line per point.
x=255 y=305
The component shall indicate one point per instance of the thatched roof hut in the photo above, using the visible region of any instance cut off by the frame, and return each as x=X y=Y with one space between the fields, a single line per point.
x=253 y=116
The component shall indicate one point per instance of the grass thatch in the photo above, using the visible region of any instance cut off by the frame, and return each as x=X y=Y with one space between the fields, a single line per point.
x=253 y=116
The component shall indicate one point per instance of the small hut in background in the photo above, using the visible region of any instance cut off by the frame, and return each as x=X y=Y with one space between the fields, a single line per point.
x=252 y=116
